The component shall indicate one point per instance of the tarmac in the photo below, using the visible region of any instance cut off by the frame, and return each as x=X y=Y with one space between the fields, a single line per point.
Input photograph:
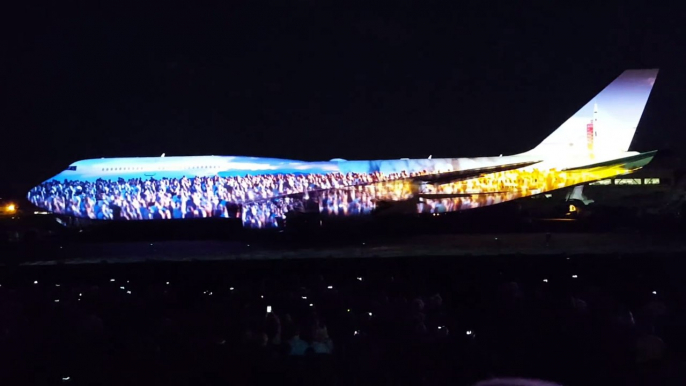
x=455 y=245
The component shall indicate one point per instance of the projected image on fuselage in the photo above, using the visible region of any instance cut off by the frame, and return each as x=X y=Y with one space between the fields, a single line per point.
x=262 y=200
x=260 y=191
x=591 y=145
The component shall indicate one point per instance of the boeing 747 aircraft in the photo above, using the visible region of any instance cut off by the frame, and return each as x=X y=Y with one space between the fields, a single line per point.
x=591 y=145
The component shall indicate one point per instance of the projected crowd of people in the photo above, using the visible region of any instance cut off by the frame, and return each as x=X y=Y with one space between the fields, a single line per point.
x=262 y=200
x=504 y=186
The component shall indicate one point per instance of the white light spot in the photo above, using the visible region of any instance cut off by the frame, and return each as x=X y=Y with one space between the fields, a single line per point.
x=370 y=314
x=167 y=283
x=574 y=276
x=311 y=305
x=545 y=280
x=654 y=292
x=469 y=332
x=111 y=279
x=57 y=300
x=80 y=295
x=231 y=289
x=128 y=292
x=330 y=287
x=35 y=282
x=122 y=287
x=304 y=297
x=57 y=285
x=359 y=278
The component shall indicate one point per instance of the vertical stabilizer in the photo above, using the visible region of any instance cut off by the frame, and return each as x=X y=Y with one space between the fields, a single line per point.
x=607 y=123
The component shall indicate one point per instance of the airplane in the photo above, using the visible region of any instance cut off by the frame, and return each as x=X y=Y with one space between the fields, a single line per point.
x=591 y=145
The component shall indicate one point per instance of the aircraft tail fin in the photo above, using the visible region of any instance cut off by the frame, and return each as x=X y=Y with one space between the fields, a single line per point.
x=607 y=123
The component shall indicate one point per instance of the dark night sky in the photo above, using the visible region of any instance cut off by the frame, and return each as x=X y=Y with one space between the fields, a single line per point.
x=312 y=80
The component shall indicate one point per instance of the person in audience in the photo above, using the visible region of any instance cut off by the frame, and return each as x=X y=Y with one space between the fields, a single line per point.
x=322 y=344
x=297 y=345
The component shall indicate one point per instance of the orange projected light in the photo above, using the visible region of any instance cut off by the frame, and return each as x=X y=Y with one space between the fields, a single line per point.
x=510 y=185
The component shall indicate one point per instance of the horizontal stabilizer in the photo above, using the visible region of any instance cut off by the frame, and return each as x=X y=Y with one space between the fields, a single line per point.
x=632 y=162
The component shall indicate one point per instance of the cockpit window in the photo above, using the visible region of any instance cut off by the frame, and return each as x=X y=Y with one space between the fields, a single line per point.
x=72 y=167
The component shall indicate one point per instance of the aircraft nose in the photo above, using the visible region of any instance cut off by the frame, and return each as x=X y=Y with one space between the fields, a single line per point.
x=39 y=194
x=35 y=197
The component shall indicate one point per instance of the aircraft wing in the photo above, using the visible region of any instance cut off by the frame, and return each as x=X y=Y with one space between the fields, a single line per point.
x=448 y=177
x=439 y=196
